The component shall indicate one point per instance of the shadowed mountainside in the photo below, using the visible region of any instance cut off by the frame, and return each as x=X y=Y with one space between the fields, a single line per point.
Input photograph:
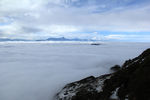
x=131 y=81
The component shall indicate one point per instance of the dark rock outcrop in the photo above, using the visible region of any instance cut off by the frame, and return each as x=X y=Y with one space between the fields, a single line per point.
x=131 y=81
x=95 y=44
x=115 y=68
x=80 y=90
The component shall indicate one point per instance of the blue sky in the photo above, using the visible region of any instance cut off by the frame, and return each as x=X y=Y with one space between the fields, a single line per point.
x=119 y=20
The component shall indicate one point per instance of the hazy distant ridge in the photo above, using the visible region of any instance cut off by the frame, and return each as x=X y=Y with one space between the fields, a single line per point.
x=49 y=39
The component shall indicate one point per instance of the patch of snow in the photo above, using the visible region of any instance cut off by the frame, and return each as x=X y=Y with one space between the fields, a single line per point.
x=114 y=95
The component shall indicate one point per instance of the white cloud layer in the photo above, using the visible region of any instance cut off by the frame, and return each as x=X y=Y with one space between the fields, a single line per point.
x=44 y=18
x=37 y=71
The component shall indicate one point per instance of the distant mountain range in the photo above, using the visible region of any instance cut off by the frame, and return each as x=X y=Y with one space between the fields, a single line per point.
x=65 y=39
x=49 y=39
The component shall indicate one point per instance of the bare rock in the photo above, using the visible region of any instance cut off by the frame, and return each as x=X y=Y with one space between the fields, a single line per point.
x=131 y=81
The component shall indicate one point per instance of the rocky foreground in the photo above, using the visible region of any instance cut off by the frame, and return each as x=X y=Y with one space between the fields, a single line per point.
x=131 y=81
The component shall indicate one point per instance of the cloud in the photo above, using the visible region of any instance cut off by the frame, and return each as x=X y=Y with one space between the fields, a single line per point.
x=130 y=38
x=65 y=17
x=31 y=29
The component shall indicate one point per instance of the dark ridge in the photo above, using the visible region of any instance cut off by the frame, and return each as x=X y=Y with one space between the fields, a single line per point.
x=131 y=81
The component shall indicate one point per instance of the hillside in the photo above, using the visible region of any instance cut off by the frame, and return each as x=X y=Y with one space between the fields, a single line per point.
x=131 y=81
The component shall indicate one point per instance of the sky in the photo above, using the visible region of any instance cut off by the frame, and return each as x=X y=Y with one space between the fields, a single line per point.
x=114 y=20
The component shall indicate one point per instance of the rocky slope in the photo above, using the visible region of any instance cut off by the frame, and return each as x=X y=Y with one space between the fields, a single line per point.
x=131 y=81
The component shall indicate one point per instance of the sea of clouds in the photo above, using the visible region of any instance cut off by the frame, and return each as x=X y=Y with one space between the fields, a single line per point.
x=37 y=71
